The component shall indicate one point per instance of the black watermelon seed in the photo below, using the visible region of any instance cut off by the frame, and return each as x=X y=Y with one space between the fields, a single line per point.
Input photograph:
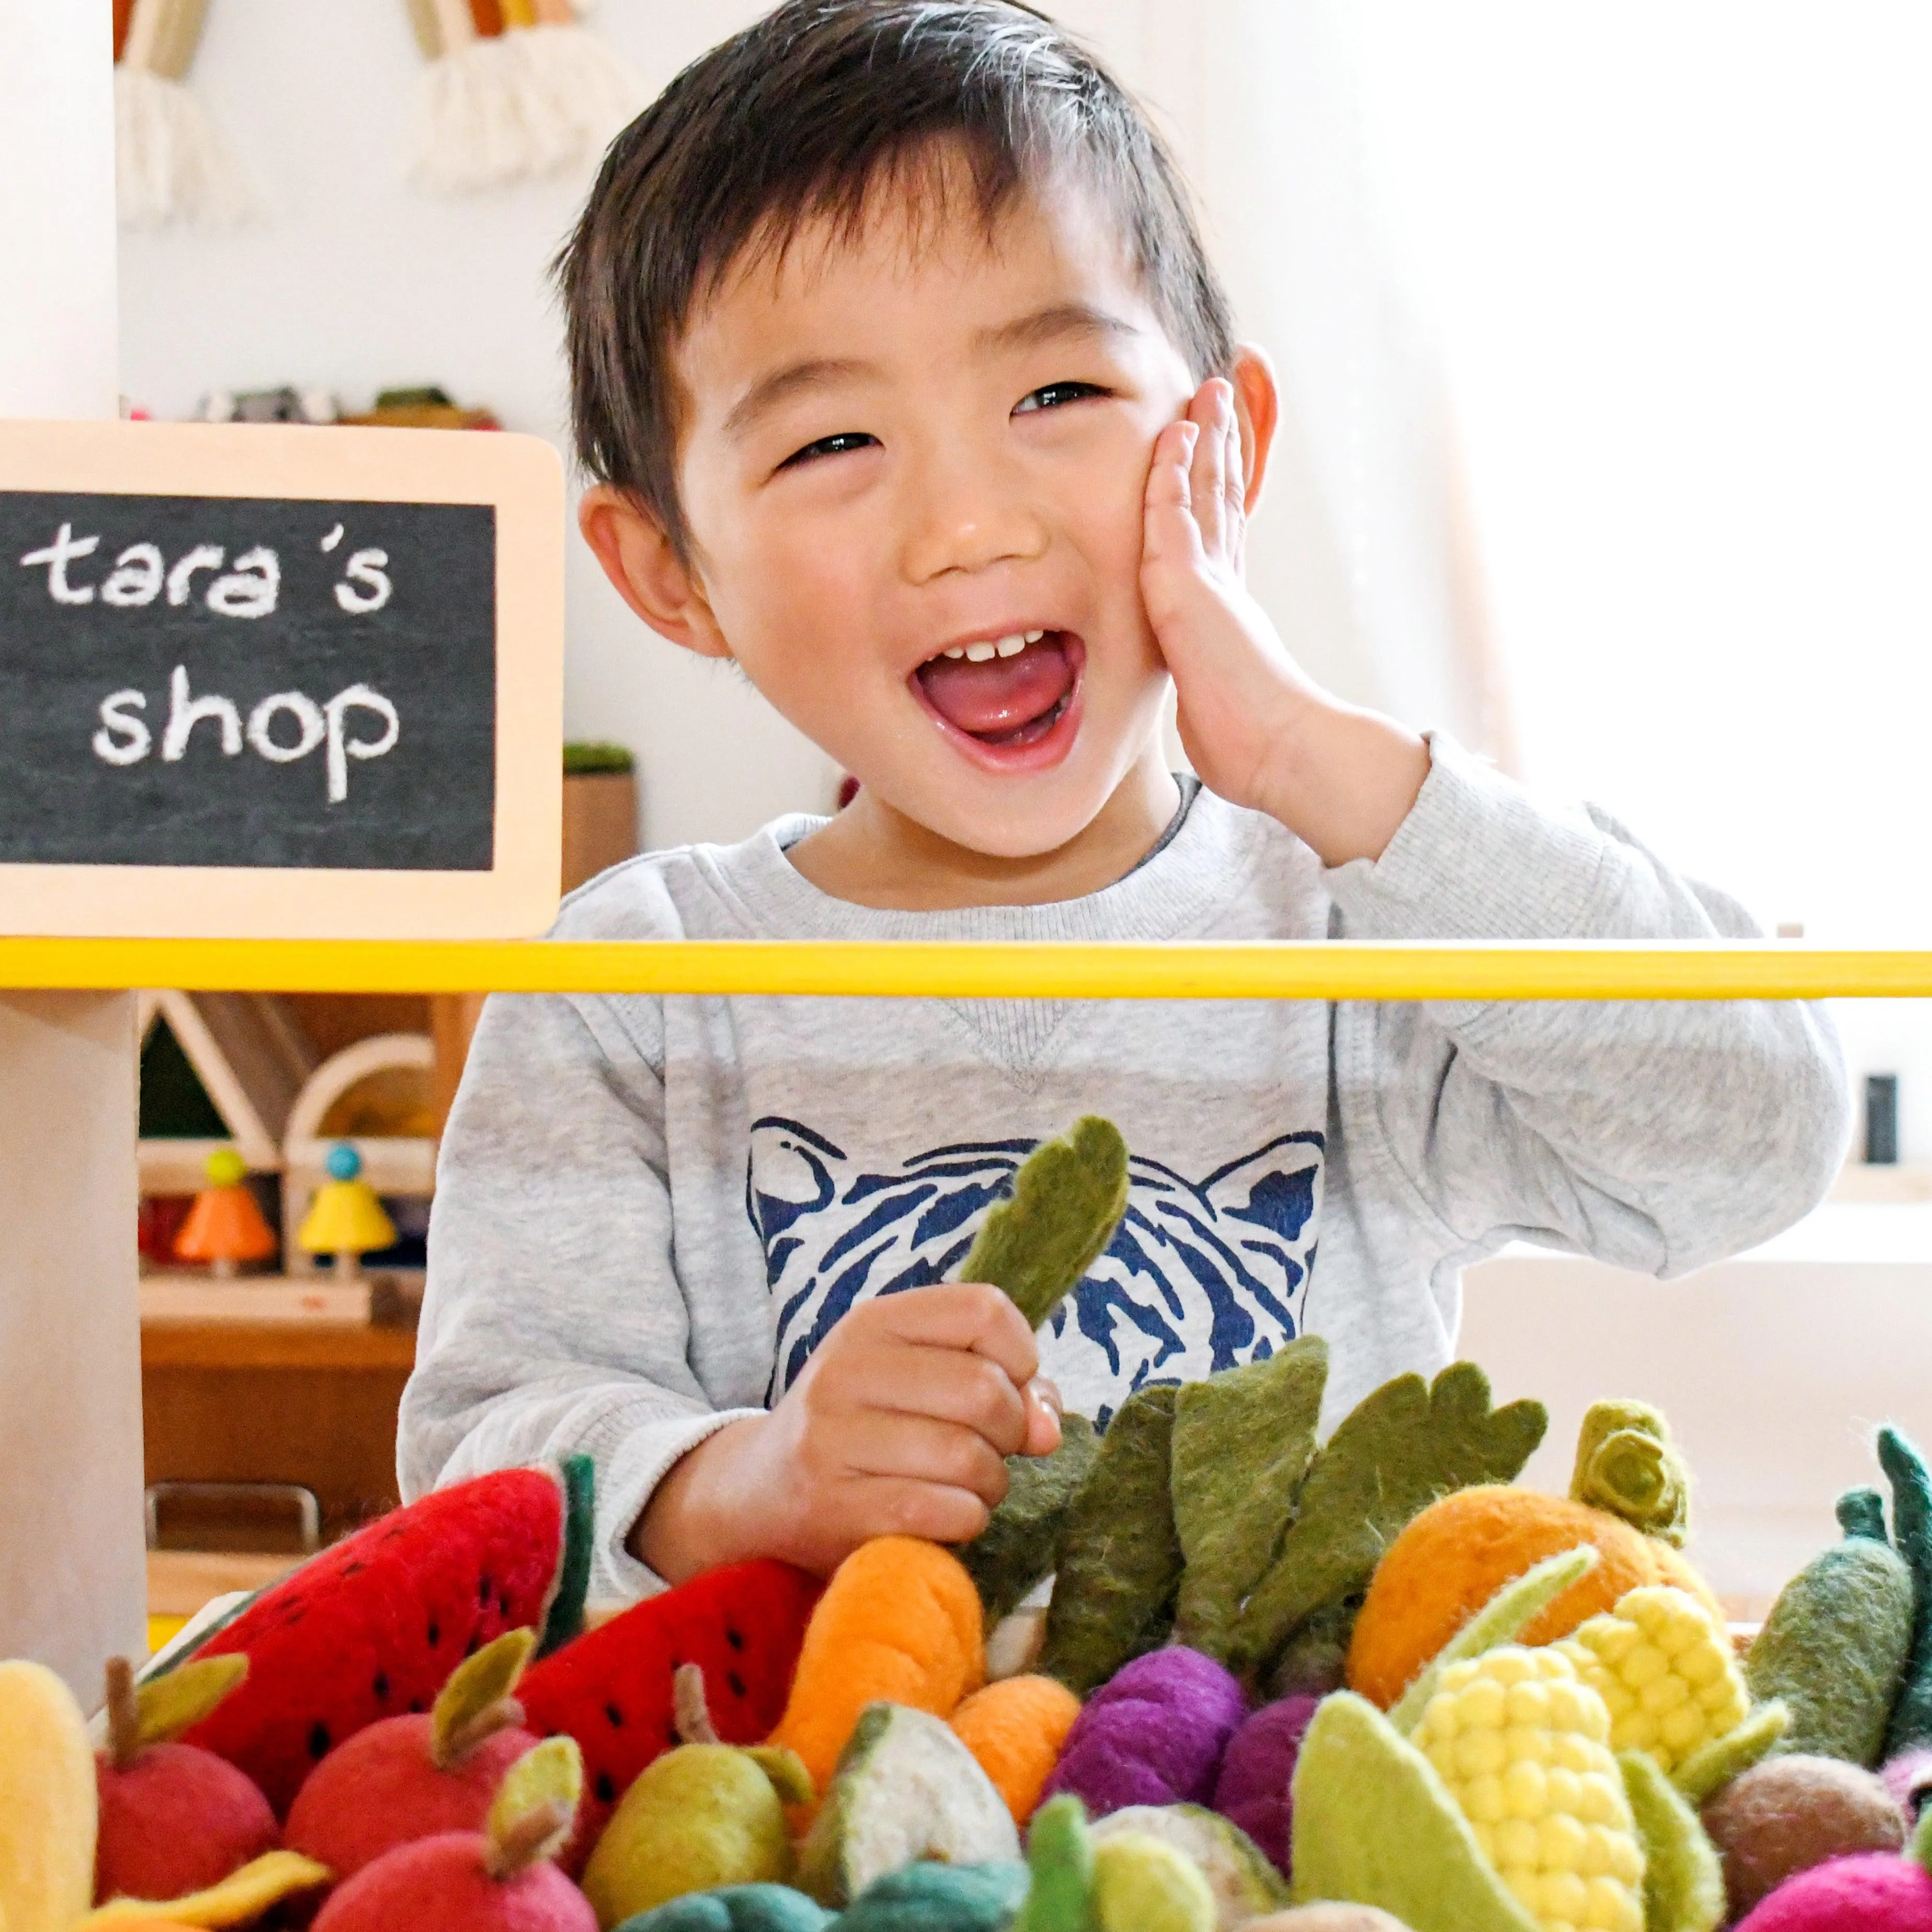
x=416 y=1707
x=606 y=1788
x=503 y=1608
x=381 y=1686
x=734 y=1638
x=616 y=1715
x=318 y=1740
x=475 y=1644
x=483 y=1587
x=736 y=1683
x=351 y=1569
x=435 y=1635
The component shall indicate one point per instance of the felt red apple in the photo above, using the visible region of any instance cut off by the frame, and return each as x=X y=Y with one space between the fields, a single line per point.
x=498 y=1879
x=174 y=1819
x=412 y=1777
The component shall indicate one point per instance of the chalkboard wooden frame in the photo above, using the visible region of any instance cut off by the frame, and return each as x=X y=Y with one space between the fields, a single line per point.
x=519 y=479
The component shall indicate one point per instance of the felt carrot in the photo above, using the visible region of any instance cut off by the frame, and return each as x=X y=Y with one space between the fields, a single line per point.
x=899 y=1623
x=1015 y=1729
x=170 y=163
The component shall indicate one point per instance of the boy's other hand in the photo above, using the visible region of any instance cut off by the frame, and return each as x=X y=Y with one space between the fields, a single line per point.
x=1258 y=730
x=900 y=1424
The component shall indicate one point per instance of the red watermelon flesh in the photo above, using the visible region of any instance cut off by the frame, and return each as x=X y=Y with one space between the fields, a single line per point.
x=610 y=1689
x=373 y=1626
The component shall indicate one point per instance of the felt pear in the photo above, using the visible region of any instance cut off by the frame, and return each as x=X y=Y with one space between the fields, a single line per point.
x=1143 y=1884
x=48 y=1806
x=704 y=1815
x=905 y=1788
x=175 y=1820
x=1068 y=1197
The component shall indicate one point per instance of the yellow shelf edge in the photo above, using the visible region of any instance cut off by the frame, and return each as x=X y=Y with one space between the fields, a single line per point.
x=1289 y=970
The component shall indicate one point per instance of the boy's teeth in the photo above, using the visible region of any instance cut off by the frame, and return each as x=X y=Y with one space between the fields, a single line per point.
x=979 y=653
x=957 y=651
x=1034 y=636
x=1010 y=646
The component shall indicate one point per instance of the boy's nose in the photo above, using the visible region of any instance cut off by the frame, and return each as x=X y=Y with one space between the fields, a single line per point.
x=971 y=526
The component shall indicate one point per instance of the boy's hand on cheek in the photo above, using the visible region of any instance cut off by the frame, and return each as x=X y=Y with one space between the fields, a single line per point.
x=899 y=1425
x=1258 y=730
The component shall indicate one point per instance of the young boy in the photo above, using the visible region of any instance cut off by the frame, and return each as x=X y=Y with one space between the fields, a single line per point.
x=910 y=390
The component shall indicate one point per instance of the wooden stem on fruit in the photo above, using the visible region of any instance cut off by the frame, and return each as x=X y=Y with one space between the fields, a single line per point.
x=124 y=1713
x=531 y=1836
x=464 y=1738
x=691 y=1709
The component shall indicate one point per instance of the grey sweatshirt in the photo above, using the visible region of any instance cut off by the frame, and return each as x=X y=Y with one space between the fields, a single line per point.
x=649 y=1210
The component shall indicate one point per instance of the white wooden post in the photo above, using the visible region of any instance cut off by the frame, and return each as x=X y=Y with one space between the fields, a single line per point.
x=72 y=1583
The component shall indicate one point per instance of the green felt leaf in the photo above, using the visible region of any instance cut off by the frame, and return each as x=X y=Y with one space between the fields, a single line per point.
x=564 y=1618
x=541 y=1790
x=1911 y=1723
x=1375 y=1825
x=1835 y=1646
x=1501 y=1620
x=1060 y=1855
x=1628 y=1464
x=1242 y=1441
x=1711 y=1767
x=470 y=1703
x=1683 y=1876
x=1119 y=1560
x=165 y=1706
x=1398 y=1450
x=1068 y=1197
x=1015 y=1548
x=1921 y=1847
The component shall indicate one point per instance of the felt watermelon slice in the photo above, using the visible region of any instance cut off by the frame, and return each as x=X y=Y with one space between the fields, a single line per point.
x=612 y=1690
x=374 y=1626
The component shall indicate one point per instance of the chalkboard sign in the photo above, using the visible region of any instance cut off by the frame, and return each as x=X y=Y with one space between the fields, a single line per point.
x=326 y=658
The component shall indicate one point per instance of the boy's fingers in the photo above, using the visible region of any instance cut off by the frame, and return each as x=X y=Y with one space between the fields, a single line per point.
x=957 y=1385
x=924 y=1450
x=965 y=1314
x=1042 y=1418
x=899 y=1506
x=1208 y=482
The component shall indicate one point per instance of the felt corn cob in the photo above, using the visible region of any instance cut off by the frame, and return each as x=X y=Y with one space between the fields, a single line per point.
x=1524 y=1746
x=169 y=164
x=1666 y=1672
x=515 y=89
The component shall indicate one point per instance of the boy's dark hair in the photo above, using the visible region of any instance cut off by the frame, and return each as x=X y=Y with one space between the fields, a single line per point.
x=798 y=117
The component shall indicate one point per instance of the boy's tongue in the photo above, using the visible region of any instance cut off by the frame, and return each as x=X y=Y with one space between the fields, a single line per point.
x=1001 y=695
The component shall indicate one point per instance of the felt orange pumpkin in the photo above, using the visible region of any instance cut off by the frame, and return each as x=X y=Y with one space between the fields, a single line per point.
x=1460 y=1552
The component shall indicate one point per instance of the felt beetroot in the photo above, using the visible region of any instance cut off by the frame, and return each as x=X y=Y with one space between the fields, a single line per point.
x=373 y=1627
x=1875 y=1891
x=1256 y=1771
x=613 y=1689
x=1155 y=1733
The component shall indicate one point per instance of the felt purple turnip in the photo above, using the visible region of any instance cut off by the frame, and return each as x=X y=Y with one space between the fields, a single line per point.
x=1256 y=1770
x=1153 y=1734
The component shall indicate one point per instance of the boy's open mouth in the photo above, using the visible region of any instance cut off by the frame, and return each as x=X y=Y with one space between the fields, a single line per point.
x=1009 y=691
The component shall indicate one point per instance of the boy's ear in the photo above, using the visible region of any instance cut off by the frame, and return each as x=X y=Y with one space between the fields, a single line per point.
x=1257 y=408
x=647 y=572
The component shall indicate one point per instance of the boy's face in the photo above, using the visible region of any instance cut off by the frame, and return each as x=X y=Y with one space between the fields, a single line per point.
x=913 y=464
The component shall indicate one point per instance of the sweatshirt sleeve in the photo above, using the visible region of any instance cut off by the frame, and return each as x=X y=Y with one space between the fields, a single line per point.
x=1657 y=1136
x=554 y=1323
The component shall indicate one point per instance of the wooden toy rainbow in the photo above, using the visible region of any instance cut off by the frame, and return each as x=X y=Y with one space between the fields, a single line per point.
x=1337 y=970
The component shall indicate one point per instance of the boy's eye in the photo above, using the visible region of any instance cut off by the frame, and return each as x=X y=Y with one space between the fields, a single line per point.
x=828 y=445
x=1056 y=395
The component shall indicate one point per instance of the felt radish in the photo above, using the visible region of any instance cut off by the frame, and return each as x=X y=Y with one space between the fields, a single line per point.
x=174 y=1819
x=1154 y=1734
x=1787 y=1814
x=373 y=1627
x=1876 y=1891
x=900 y=1623
x=614 y=1690
x=413 y=1776
x=498 y=1879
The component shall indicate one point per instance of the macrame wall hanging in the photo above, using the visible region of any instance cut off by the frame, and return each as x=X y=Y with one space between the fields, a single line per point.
x=515 y=89
x=168 y=162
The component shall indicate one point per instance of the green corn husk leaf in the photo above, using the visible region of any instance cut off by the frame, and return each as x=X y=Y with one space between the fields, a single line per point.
x=1711 y=1767
x=1375 y=1825
x=1068 y=1197
x=1399 y=1449
x=1243 y=1443
x=1683 y=1876
x=1015 y=1548
x=1119 y=1560
x=1501 y=1620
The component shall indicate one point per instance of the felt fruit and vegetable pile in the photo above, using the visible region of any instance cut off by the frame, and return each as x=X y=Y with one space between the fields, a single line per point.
x=1365 y=1684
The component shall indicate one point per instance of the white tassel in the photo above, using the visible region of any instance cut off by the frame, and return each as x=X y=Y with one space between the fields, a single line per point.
x=518 y=106
x=170 y=163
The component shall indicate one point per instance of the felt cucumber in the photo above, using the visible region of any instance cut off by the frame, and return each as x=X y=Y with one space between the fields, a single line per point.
x=1911 y=1723
x=1119 y=1560
x=1067 y=1198
x=1015 y=1548
x=1835 y=1646
x=1242 y=1441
